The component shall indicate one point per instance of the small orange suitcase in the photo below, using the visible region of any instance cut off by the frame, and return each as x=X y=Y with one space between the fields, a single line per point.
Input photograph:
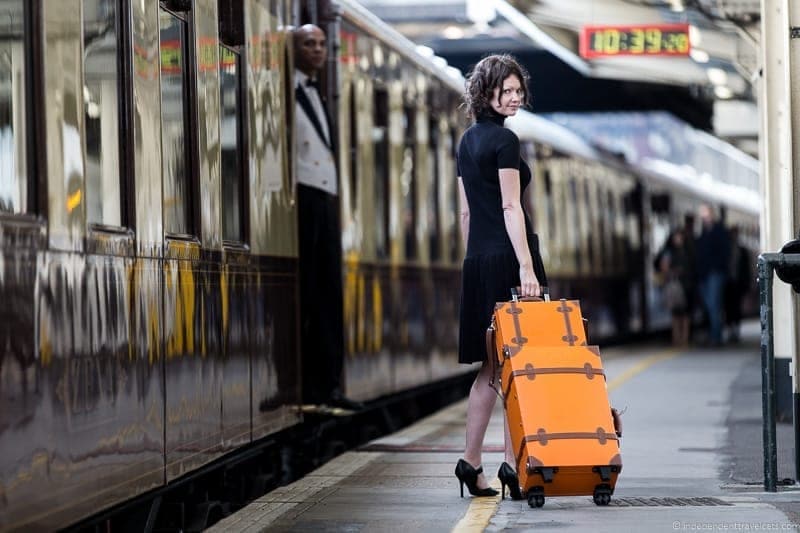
x=556 y=402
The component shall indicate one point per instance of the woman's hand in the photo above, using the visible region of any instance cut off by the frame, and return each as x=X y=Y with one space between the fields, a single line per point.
x=529 y=285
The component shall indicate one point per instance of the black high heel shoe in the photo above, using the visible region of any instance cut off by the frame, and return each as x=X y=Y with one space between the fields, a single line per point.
x=466 y=474
x=508 y=478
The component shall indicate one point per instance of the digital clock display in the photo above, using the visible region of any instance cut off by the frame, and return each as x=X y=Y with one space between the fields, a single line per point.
x=644 y=40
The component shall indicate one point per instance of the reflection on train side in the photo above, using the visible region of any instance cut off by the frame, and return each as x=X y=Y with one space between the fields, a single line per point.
x=363 y=309
x=149 y=254
x=402 y=250
x=602 y=217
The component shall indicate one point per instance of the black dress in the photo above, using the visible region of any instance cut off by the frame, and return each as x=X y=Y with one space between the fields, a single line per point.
x=490 y=266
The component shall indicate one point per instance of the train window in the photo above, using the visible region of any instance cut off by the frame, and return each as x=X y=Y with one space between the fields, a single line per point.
x=548 y=206
x=408 y=183
x=433 y=189
x=454 y=240
x=660 y=203
x=231 y=22
x=175 y=141
x=101 y=97
x=614 y=258
x=231 y=142
x=353 y=147
x=588 y=208
x=533 y=193
x=13 y=171
x=380 y=140
x=633 y=203
x=573 y=225
x=603 y=230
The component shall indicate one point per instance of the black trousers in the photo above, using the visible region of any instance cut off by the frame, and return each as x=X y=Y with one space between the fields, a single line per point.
x=321 y=308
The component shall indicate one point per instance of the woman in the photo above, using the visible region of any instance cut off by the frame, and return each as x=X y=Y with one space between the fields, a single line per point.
x=502 y=250
x=678 y=275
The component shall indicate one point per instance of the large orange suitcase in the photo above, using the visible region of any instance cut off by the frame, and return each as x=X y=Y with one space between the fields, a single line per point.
x=556 y=401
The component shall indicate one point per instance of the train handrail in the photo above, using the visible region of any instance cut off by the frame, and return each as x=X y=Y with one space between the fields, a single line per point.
x=767 y=264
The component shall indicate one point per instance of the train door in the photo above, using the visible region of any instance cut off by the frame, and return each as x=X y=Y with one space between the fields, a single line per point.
x=192 y=389
x=264 y=263
x=236 y=280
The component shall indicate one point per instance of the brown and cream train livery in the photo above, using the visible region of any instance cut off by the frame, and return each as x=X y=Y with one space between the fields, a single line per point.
x=148 y=235
x=148 y=231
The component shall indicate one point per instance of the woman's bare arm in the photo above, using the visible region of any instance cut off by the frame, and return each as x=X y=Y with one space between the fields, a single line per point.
x=464 y=218
x=515 y=227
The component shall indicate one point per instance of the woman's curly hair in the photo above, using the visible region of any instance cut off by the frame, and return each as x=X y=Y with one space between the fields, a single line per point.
x=488 y=74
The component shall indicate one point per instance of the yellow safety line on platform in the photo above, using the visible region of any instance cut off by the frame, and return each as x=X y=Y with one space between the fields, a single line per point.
x=481 y=510
x=479 y=513
x=641 y=366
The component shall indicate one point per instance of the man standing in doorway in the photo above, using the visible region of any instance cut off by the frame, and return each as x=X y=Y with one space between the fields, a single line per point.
x=321 y=322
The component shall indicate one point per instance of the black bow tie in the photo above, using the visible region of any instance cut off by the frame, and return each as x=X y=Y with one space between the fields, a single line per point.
x=312 y=83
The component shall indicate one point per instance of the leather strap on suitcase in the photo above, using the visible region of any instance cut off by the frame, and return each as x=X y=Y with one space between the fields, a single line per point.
x=491 y=350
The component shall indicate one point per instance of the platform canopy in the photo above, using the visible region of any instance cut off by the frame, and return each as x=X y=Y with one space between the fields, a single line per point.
x=671 y=154
x=719 y=68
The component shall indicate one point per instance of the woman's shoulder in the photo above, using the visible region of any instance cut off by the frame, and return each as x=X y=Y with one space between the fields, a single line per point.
x=494 y=132
x=505 y=135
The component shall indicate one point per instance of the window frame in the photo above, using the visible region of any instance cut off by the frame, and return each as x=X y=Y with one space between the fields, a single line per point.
x=410 y=246
x=232 y=37
x=35 y=205
x=127 y=200
x=191 y=126
x=241 y=148
x=456 y=250
x=126 y=116
x=34 y=80
x=352 y=145
x=381 y=169
x=433 y=238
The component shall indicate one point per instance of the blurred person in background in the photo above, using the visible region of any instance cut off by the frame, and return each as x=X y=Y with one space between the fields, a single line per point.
x=712 y=252
x=677 y=270
x=737 y=284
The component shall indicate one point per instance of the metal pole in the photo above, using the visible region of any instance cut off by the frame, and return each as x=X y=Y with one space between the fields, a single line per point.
x=769 y=411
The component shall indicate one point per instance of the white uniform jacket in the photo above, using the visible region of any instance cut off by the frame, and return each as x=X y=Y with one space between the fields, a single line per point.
x=316 y=166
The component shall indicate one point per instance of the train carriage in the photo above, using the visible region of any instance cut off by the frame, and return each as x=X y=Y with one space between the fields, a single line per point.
x=398 y=122
x=609 y=187
x=149 y=236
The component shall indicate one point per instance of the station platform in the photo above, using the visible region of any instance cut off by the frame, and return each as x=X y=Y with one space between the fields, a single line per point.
x=691 y=453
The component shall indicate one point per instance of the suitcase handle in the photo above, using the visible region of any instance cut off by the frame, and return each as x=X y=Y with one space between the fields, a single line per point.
x=491 y=354
x=515 y=297
x=491 y=351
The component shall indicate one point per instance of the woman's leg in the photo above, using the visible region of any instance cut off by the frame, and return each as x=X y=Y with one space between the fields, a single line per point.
x=676 y=329
x=685 y=330
x=479 y=410
x=510 y=458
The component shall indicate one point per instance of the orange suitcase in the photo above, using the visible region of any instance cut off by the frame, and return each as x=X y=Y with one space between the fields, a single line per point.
x=556 y=402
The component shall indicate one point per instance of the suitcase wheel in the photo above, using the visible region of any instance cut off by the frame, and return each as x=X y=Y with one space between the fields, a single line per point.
x=536 y=497
x=602 y=495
